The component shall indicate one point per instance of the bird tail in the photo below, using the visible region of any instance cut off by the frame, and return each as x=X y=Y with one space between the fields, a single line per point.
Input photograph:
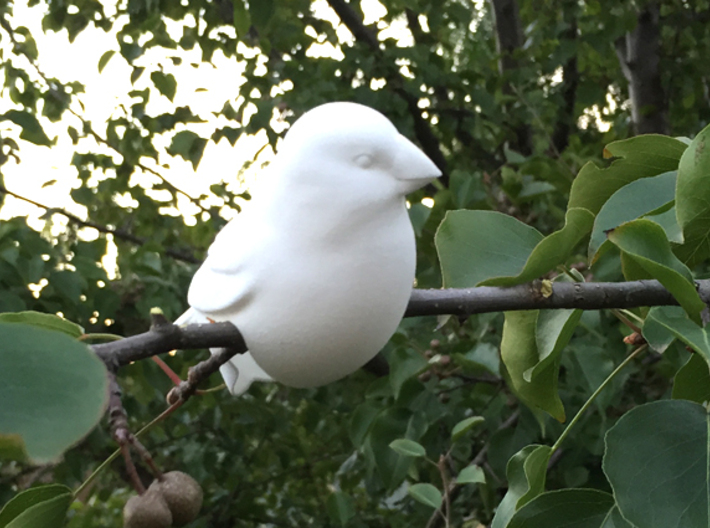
x=241 y=371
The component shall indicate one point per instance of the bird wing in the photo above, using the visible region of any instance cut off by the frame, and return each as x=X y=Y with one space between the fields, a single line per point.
x=225 y=281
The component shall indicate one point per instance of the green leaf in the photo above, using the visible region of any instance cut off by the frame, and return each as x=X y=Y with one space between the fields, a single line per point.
x=43 y=320
x=638 y=157
x=103 y=61
x=408 y=447
x=482 y=358
x=405 y=363
x=552 y=250
x=54 y=389
x=572 y=508
x=632 y=201
x=360 y=422
x=634 y=158
x=475 y=246
x=261 y=12
x=656 y=461
x=231 y=133
x=675 y=321
x=692 y=381
x=526 y=472
x=471 y=475
x=189 y=146
x=532 y=376
x=466 y=425
x=646 y=244
x=669 y=222
x=426 y=494
x=44 y=506
x=165 y=83
x=659 y=338
x=12 y=447
x=340 y=508
x=242 y=19
x=31 y=129
x=391 y=424
x=512 y=156
x=693 y=199
x=553 y=330
x=418 y=215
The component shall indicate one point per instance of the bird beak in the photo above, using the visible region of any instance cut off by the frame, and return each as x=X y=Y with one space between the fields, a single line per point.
x=412 y=167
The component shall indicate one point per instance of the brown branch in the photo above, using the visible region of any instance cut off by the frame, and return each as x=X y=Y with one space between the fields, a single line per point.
x=164 y=337
x=167 y=338
x=118 y=233
x=565 y=295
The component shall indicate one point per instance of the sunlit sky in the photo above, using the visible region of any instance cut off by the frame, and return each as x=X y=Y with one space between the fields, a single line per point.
x=203 y=88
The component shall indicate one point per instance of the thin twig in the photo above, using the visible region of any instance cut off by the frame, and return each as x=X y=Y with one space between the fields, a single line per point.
x=454 y=488
x=447 y=495
x=118 y=233
x=590 y=400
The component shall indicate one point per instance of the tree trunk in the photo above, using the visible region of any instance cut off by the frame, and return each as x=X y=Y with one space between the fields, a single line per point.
x=570 y=81
x=509 y=38
x=638 y=53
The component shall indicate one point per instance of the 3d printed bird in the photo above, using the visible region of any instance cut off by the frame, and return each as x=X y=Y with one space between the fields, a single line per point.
x=316 y=272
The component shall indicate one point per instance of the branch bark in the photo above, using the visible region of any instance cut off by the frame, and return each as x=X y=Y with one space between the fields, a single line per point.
x=162 y=338
x=639 y=56
x=565 y=295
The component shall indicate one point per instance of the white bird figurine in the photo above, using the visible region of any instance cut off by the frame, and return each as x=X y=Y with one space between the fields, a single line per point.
x=316 y=272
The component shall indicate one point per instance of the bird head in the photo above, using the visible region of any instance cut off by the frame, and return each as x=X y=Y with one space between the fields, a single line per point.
x=352 y=149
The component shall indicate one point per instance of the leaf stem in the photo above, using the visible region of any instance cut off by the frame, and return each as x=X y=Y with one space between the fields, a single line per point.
x=105 y=337
x=594 y=395
x=622 y=317
x=117 y=452
x=445 y=481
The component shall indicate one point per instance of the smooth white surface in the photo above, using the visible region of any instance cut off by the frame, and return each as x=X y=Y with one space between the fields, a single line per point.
x=317 y=271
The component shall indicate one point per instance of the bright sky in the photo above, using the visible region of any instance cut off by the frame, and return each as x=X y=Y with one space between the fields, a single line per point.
x=204 y=89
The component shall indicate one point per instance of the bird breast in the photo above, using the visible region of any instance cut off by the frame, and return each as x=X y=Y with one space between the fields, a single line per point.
x=331 y=304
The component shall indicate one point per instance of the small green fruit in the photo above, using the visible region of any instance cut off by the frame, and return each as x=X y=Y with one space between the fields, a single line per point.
x=147 y=511
x=182 y=494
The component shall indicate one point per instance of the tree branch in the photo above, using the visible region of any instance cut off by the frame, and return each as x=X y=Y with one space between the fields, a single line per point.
x=118 y=233
x=565 y=295
x=164 y=337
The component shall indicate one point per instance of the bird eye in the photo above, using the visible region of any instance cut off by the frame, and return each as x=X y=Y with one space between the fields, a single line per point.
x=364 y=161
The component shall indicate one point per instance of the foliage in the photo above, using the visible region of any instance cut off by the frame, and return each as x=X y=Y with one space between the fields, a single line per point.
x=456 y=433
